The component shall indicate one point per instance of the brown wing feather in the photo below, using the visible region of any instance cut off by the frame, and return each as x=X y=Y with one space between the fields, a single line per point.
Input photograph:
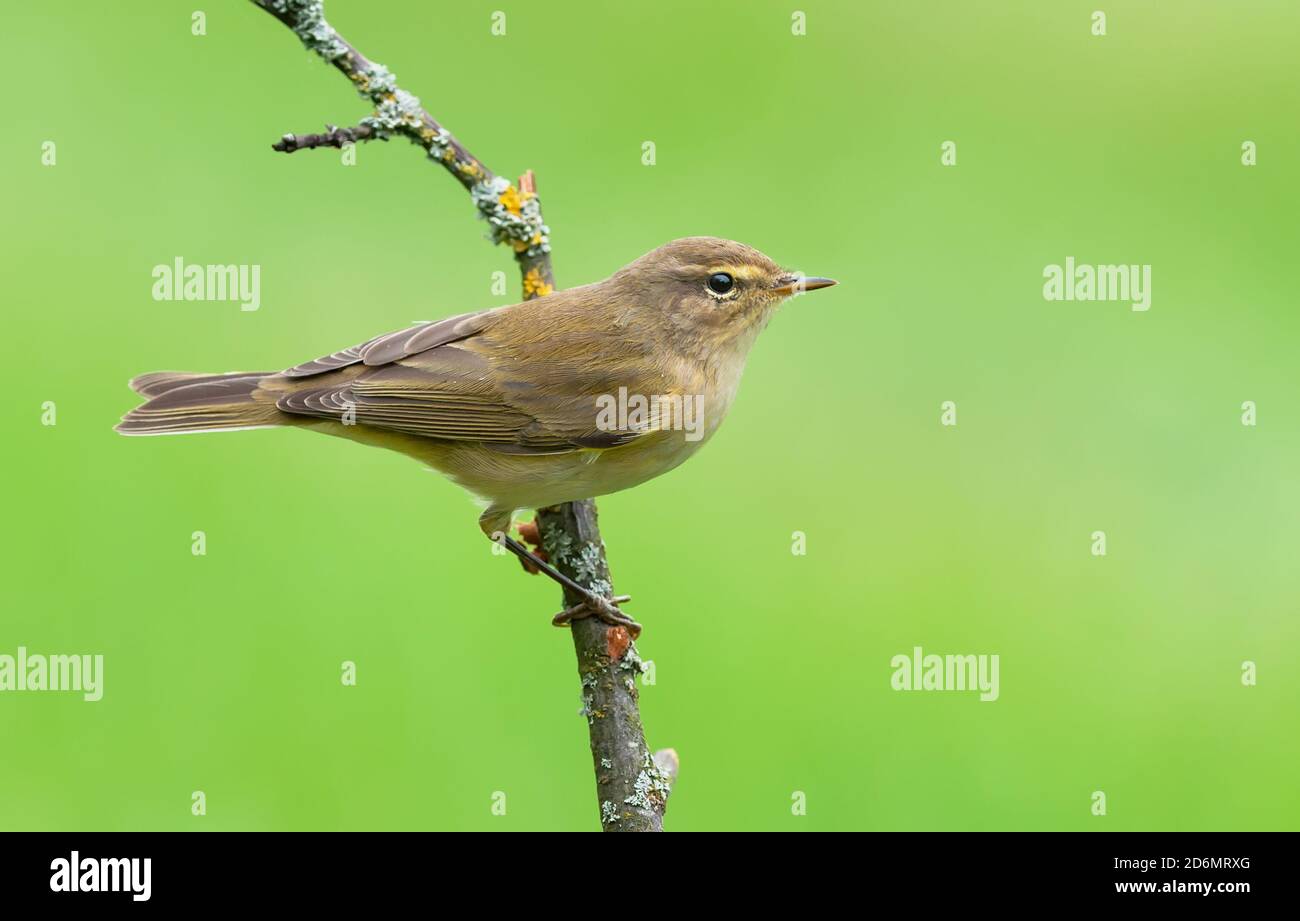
x=451 y=380
x=392 y=346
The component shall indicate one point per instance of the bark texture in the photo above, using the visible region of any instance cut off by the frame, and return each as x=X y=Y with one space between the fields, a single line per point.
x=632 y=786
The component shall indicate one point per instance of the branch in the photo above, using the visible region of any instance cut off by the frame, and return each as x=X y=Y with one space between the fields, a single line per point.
x=632 y=786
x=333 y=137
x=514 y=216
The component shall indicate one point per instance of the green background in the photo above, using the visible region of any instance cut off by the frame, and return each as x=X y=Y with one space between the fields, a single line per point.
x=1119 y=674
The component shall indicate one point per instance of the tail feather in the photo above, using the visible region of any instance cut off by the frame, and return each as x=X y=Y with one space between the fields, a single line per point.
x=181 y=402
x=156 y=383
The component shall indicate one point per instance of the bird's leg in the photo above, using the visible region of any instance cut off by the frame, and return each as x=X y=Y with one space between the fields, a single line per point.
x=604 y=608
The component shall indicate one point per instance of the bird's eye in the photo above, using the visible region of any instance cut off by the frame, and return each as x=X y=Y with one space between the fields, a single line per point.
x=721 y=282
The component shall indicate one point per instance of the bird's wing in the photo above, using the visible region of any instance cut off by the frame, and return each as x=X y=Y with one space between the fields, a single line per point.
x=451 y=380
x=392 y=346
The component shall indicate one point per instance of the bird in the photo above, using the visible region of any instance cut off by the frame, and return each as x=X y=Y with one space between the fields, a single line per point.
x=577 y=394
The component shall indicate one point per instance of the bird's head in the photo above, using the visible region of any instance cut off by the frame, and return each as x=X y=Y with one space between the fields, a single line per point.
x=712 y=289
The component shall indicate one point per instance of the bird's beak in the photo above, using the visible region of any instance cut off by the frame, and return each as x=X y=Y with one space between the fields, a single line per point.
x=794 y=283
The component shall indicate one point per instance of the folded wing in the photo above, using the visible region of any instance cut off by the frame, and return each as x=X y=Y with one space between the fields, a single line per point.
x=449 y=380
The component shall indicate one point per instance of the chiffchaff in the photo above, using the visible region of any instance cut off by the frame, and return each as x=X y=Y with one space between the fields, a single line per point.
x=569 y=396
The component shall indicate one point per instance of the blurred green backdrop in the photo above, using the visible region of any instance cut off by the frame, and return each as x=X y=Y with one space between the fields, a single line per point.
x=1119 y=674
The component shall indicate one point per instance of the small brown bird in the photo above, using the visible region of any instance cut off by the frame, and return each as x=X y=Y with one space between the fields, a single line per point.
x=574 y=395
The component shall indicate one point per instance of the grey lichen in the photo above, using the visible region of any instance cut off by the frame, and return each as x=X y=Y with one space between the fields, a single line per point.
x=632 y=661
x=588 y=567
x=609 y=813
x=558 y=545
x=380 y=81
x=588 y=564
x=397 y=109
x=439 y=144
x=307 y=19
x=397 y=112
x=652 y=786
x=606 y=763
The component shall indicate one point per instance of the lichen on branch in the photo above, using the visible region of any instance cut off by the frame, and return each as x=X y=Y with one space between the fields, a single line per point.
x=514 y=215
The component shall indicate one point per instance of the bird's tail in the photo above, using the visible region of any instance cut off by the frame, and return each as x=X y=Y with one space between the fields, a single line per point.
x=180 y=402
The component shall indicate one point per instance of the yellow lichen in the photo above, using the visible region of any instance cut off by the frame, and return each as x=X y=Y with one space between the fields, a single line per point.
x=534 y=284
x=510 y=200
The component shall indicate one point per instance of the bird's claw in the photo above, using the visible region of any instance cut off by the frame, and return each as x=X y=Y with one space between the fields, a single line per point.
x=604 y=608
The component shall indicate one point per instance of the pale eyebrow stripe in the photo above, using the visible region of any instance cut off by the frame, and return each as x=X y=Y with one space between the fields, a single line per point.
x=747 y=272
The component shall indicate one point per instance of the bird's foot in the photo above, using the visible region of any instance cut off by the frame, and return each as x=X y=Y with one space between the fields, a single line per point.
x=530 y=533
x=593 y=605
x=599 y=606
